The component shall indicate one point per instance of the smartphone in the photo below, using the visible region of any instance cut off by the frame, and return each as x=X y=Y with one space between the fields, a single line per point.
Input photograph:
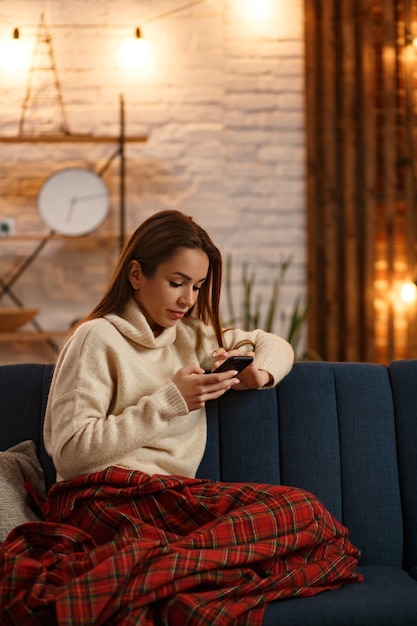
x=237 y=363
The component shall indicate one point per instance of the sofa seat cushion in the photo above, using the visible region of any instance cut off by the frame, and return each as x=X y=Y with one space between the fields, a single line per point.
x=386 y=597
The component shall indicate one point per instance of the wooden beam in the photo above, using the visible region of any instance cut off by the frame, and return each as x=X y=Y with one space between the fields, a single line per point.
x=367 y=165
x=71 y=139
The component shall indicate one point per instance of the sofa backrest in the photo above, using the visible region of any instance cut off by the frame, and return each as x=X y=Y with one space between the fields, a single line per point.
x=345 y=431
x=23 y=394
x=335 y=435
x=403 y=376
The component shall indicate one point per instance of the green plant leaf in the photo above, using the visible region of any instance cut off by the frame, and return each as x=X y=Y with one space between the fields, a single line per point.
x=250 y=317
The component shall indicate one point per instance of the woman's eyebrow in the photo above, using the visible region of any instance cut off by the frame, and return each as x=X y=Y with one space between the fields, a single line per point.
x=186 y=277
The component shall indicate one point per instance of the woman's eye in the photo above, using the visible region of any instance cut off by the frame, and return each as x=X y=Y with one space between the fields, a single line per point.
x=196 y=288
x=171 y=282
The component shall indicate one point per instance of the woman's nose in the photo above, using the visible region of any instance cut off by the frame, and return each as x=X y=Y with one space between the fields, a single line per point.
x=187 y=298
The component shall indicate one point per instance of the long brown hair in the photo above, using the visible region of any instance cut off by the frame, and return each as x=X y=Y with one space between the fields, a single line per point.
x=154 y=242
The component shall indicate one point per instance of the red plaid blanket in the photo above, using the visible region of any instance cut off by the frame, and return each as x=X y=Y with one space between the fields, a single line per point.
x=121 y=547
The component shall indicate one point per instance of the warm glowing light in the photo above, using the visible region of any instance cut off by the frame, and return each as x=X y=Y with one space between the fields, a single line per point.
x=409 y=292
x=136 y=53
x=410 y=39
x=15 y=55
x=257 y=10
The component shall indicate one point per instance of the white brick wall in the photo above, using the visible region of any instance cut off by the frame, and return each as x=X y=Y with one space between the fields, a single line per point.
x=222 y=107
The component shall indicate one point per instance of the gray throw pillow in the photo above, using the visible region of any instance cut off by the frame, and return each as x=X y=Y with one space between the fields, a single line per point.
x=18 y=465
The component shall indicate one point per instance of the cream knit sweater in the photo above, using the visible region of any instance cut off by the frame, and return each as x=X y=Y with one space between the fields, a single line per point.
x=112 y=400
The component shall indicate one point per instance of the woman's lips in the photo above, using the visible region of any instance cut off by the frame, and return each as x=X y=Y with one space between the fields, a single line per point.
x=178 y=315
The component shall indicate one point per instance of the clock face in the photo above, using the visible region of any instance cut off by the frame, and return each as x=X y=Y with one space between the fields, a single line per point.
x=74 y=201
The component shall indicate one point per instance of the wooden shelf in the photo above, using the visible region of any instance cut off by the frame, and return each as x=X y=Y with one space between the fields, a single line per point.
x=40 y=335
x=40 y=236
x=23 y=335
x=72 y=139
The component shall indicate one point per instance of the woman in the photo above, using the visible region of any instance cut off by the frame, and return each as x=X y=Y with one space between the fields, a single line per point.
x=129 y=387
x=131 y=536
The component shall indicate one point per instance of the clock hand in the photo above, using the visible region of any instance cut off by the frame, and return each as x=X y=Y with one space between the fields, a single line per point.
x=71 y=209
x=90 y=197
x=77 y=200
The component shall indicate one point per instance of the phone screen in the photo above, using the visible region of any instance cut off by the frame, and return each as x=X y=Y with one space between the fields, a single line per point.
x=237 y=363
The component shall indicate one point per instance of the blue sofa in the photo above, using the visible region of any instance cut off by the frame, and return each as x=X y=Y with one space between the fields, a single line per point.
x=345 y=431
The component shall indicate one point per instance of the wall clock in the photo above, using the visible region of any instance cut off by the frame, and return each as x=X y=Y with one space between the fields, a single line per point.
x=74 y=201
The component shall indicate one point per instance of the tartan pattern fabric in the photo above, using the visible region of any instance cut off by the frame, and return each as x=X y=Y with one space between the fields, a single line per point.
x=121 y=547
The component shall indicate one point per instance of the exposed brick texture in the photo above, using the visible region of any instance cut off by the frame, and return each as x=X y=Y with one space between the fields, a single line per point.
x=222 y=107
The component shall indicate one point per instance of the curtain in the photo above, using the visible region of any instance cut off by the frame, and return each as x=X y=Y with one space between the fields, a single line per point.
x=361 y=193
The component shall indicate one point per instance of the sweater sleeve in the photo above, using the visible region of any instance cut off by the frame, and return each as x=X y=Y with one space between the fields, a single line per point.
x=84 y=429
x=272 y=353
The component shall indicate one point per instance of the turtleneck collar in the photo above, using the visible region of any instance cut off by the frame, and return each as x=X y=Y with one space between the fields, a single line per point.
x=133 y=325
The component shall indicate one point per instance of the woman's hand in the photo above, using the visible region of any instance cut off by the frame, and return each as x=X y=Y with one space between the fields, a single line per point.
x=249 y=378
x=196 y=387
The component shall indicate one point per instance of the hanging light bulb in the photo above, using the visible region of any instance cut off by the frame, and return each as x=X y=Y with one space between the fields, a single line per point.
x=409 y=292
x=257 y=10
x=15 y=53
x=136 y=53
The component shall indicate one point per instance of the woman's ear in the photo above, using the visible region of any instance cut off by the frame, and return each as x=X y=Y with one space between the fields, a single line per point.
x=135 y=274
